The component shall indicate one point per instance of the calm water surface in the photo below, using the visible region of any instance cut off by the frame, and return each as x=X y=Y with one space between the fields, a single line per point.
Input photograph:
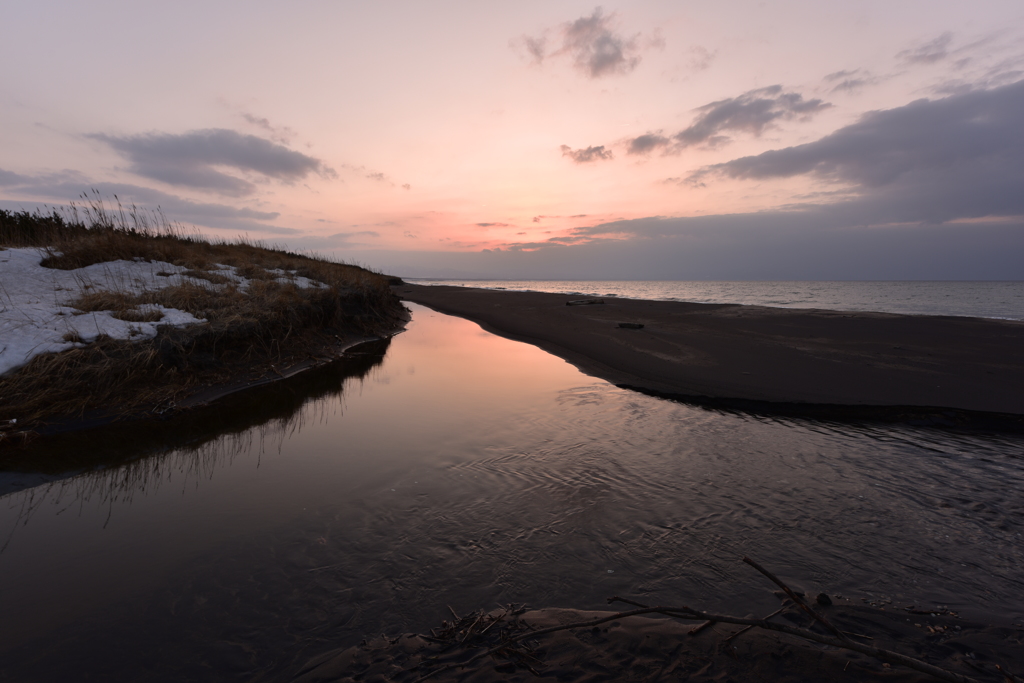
x=983 y=299
x=464 y=469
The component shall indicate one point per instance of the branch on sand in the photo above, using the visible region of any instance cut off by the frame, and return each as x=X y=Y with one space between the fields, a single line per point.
x=835 y=637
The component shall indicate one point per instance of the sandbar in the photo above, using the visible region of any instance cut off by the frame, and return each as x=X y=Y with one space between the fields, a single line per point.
x=798 y=358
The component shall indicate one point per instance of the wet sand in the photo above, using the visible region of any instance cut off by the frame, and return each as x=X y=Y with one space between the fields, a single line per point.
x=643 y=648
x=797 y=357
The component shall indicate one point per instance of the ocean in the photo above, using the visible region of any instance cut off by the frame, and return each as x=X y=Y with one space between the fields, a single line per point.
x=980 y=299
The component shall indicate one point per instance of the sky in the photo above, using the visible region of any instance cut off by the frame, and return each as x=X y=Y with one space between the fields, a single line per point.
x=645 y=140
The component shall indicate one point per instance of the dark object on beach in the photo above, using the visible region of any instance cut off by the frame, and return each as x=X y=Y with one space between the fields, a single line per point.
x=823 y=600
x=507 y=641
x=632 y=326
x=584 y=302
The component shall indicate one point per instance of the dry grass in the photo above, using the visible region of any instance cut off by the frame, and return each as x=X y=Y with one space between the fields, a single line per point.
x=267 y=322
x=215 y=278
x=121 y=306
x=137 y=316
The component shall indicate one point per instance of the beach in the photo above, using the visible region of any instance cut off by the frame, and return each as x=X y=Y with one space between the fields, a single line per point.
x=266 y=535
x=645 y=648
x=800 y=358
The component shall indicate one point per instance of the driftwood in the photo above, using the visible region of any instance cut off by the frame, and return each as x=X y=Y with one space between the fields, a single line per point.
x=797 y=599
x=516 y=634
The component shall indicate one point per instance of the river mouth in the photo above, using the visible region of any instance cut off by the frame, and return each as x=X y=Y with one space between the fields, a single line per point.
x=455 y=467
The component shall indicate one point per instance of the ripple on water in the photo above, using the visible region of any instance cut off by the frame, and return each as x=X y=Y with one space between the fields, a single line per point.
x=464 y=469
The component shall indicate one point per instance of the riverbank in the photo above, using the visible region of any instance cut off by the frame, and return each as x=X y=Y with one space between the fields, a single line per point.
x=749 y=356
x=646 y=648
x=116 y=318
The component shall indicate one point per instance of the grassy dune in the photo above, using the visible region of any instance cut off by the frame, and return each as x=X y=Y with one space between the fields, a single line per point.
x=290 y=308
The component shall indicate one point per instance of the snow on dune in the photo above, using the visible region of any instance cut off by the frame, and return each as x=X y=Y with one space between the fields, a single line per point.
x=35 y=316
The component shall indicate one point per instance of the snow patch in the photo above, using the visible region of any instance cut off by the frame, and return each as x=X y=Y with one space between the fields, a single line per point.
x=35 y=316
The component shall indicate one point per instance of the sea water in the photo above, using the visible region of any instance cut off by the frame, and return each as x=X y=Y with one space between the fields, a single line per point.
x=975 y=299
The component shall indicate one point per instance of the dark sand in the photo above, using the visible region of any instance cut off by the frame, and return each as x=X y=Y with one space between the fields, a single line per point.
x=643 y=648
x=802 y=357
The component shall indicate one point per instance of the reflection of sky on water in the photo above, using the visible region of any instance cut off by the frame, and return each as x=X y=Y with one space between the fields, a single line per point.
x=467 y=469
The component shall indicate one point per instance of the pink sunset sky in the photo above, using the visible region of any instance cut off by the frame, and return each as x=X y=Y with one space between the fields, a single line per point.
x=644 y=140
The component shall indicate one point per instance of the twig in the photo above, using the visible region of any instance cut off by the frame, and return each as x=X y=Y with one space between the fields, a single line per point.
x=797 y=599
x=858 y=635
x=744 y=630
x=469 y=631
x=643 y=606
x=700 y=627
x=693 y=631
x=496 y=620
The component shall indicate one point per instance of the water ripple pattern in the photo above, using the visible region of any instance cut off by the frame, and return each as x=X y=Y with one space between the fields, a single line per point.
x=469 y=470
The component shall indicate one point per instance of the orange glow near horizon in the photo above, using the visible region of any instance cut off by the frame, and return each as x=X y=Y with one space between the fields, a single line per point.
x=354 y=129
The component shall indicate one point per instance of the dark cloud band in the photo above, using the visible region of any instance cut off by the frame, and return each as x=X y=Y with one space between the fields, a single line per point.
x=931 y=160
x=194 y=159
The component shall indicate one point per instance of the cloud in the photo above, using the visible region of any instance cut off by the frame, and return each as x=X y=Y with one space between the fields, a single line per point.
x=758 y=246
x=930 y=160
x=933 y=51
x=192 y=159
x=930 y=190
x=583 y=156
x=701 y=58
x=282 y=134
x=647 y=143
x=752 y=112
x=347 y=238
x=536 y=47
x=596 y=50
x=591 y=43
x=493 y=225
x=370 y=174
x=850 y=80
x=10 y=178
x=60 y=188
x=357 y=233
